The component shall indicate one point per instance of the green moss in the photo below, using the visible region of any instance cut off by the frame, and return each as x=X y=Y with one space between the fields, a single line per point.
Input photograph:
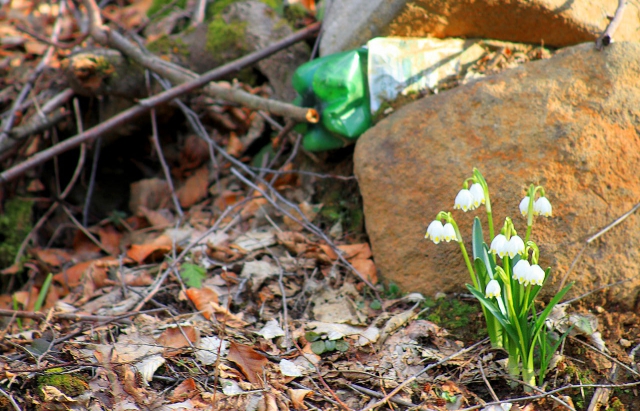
x=158 y=5
x=222 y=36
x=15 y=224
x=458 y=317
x=616 y=405
x=219 y=5
x=70 y=384
x=168 y=45
x=295 y=13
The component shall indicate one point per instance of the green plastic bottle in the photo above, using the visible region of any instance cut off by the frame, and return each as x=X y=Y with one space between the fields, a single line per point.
x=336 y=86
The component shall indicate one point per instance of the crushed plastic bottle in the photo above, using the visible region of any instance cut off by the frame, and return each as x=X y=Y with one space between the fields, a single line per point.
x=336 y=86
x=346 y=88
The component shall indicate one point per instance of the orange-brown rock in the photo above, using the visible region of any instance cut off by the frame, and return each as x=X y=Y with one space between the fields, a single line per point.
x=557 y=23
x=570 y=123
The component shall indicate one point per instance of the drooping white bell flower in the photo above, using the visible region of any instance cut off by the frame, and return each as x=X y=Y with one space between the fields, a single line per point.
x=493 y=289
x=435 y=231
x=542 y=206
x=524 y=206
x=536 y=275
x=514 y=246
x=521 y=271
x=478 y=194
x=464 y=201
x=498 y=245
x=449 y=233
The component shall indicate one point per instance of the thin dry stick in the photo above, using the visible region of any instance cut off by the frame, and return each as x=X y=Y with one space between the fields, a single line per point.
x=177 y=74
x=158 y=147
x=37 y=123
x=486 y=382
x=607 y=37
x=60 y=316
x=84 y=230
x=155 y=287
x=607 y=356
x=425 y=369
x=593 y=238
x=376 y=394
x=145 y=105
x=300 y=219
x=61 y=196
x=601 y=395
x=9 y=397
x=33 y=77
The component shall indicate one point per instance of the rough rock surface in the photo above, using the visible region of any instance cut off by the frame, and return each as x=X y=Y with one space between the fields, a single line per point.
x=570 y=123
x=351 y=23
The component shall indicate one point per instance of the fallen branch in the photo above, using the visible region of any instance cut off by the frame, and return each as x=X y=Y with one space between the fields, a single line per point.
x=178 y=75
x=607 y=37
x=146 y=105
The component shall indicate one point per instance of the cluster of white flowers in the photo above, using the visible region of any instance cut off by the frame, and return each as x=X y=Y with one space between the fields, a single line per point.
x=438 y=232
x=469 y=199
x=503 y=247
x=542 y=206
x=527 y=274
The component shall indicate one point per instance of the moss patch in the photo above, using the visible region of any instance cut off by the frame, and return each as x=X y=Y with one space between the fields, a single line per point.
x=69 y=384
x=222 y=36
x=158 y=5
x=460 y=318
x=15 y=224
x=219 y=5
x=168 y=45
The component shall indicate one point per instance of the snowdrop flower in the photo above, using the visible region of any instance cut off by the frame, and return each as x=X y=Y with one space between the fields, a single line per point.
x=521 y=271
x=478 y=195
x=536 y=275
x=464 y=200
x=449 y=233
x=514 y=246
x=524 y=206
x=493 y=289
x=435 y=231
x=542 y=206
x=498 y=245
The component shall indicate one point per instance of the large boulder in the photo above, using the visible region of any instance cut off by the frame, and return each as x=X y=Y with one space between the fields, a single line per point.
x=570 y=123
x=557 y=23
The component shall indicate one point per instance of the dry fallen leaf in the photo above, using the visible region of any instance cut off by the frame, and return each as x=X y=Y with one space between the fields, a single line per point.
x=367 y=268
x=195 y=188
x=350 y=251
x=297 y=398
x=186 y=390
x=248 y=360
x=173 y=339
x=202 y=299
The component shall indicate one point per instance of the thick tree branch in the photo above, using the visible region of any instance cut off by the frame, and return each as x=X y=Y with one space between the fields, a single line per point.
x=145 y=105
x=179 y=75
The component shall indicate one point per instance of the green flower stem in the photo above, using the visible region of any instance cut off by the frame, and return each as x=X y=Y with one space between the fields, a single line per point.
x=472 y=273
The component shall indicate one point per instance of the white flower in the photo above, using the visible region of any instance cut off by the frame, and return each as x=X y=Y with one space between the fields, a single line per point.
x=449 y=233
x=435 y=231
x=498 y=245
x=542 y=206
x=536 y=275
x=521 y=271
x=464 y=200
x=493 y=289
x=514 y=246
x=524 y=206
x=478 y=195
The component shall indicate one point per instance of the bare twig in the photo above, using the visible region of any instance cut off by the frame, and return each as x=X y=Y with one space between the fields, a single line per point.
x=9 y=397
x=146 y=105
x=60 y=316
x=156 y=143
x=605 y=39
x=33 y=77
x=425 y=369
x=593 y=238
x=486 y=382
x=178 y=75
x=84 y=230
